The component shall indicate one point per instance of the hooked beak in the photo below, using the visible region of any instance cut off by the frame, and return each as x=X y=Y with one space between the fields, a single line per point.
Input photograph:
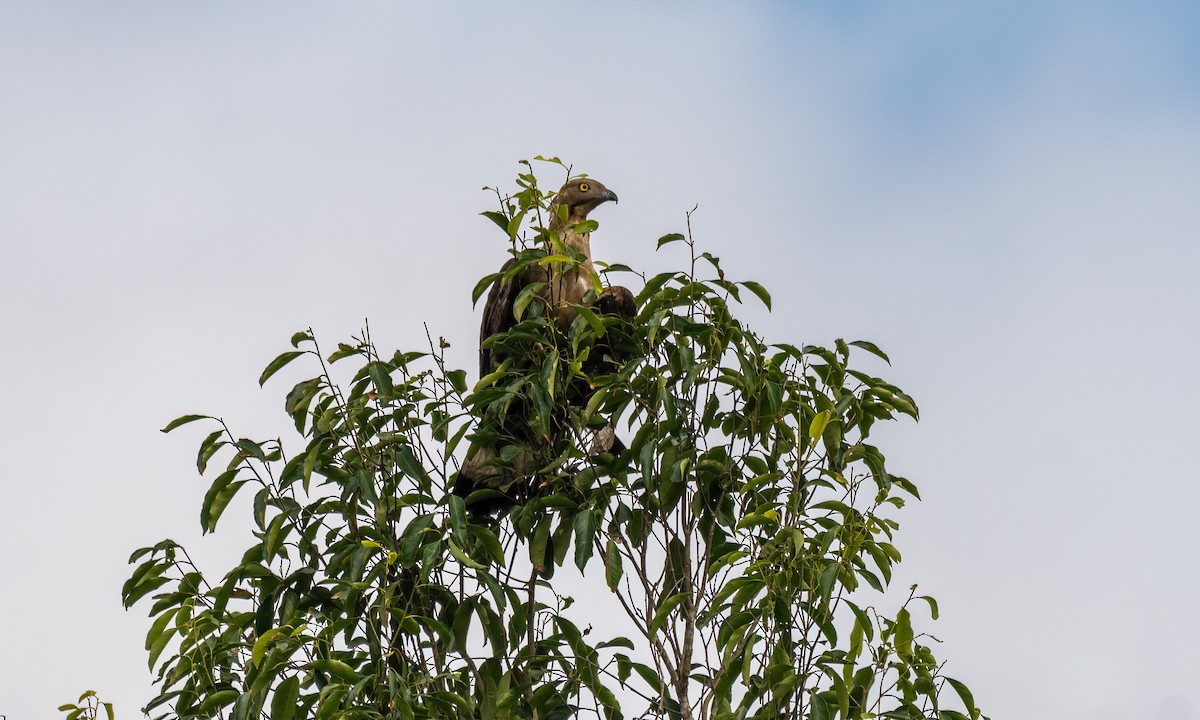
x=609 y=195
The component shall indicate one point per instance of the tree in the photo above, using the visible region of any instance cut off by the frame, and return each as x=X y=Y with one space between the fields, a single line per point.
x=744 y=533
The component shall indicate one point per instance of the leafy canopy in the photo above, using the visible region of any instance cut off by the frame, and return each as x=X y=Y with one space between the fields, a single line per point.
x=745 y=535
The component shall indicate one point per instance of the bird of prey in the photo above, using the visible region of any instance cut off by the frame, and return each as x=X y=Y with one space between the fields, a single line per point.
x=564 y=285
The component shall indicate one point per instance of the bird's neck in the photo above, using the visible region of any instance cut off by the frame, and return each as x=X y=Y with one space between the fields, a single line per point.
x=557 y=224
x=579 y=242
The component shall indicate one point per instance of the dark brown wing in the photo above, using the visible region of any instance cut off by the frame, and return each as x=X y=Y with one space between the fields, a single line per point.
x=497 y=314
x=616 y=300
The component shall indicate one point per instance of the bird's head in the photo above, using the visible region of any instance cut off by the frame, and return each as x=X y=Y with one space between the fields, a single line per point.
x=580 y=196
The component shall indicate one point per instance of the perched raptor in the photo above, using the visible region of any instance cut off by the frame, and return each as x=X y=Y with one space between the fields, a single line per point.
x=564 y=285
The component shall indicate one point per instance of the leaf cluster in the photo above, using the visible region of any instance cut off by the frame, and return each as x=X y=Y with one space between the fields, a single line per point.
x=87 y=707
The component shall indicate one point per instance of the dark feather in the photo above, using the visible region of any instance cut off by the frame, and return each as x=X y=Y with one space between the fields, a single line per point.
x=616 y=300
x=497 y=314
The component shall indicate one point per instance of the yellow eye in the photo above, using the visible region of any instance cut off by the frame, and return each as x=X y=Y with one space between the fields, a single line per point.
x=584 y=187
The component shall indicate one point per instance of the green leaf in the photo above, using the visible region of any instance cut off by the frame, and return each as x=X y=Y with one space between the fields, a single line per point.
x=251 y=449
x=411 y=466
x=483 y=285
x=608 y=700
x=143 y=589
x=345 y=351
x=612 y=564
x=277 y=364
x=828 y=579
x=664 y=610
x=819 y=709
x=585 y=532
x=863 y=620
x=216 y=500
x=622 y=642
x=462 y=557
x=458 y=515
x=549 y=374
x=965 y=695
x=856 y=639
x=337 y=669
x=461 y=625
x=902 y=636
x=150 y=569
x=537 y=547
x=487 y=538
x=260 y=646
x=208 y=448
x=759 y=291
x=669 y=238
x=184 y=420
x=330 y=702
x=381 y=378
x=216 y=701
x=817 y=427
x=514 y=224
x=648 y=675
x=155 y=650
x=933 y=606
x=286 y=700
x=159 y=626
x=871 y=348
x=526 y=296
x=498 y=218
x=592 y=319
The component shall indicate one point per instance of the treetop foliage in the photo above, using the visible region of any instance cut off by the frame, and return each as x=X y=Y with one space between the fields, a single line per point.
x=745 y=534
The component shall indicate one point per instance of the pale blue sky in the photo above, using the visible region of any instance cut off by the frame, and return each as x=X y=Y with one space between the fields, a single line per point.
x=999 y=194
